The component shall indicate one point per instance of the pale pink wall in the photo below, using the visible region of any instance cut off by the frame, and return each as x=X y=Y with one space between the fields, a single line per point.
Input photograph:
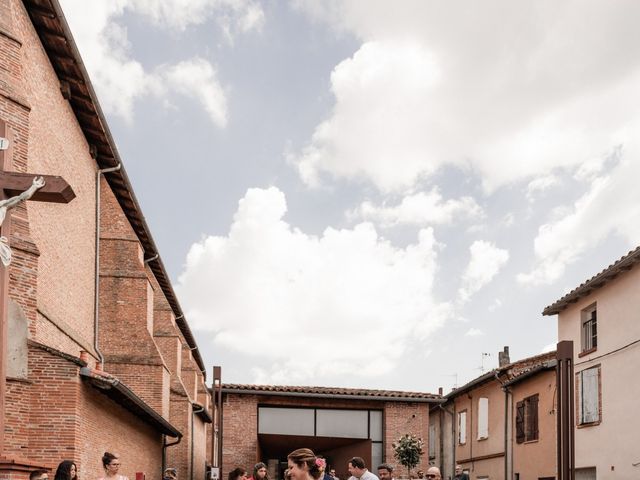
x=618 y=305
x=467 y=454
x=537 y=458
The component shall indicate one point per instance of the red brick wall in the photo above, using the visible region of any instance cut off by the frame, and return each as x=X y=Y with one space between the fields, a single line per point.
x=401 y=418
x=67 y=419
x=240 y=423
x=52 y=280
x=178 y=456
x=57 y=146
x=240 y=431
x=105 y=426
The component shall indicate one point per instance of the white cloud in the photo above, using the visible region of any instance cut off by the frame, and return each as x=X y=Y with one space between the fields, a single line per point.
x=612 y=205
x=120 y=80
x=348 y=288
x=485 y=263
x=422 y=208
x=242 y=15
x=474 y=332
x=497 y=303
x=512 y=96
x=197 y=79
x=541 y=184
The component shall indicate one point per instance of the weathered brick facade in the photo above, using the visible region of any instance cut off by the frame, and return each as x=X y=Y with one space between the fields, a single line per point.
x=53 y=411
x=240 y=445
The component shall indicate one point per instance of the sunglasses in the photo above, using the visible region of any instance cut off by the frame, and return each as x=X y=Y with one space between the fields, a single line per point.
x=430 y=475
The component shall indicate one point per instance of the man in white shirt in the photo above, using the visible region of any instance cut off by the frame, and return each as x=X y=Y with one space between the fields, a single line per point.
x=358 y=470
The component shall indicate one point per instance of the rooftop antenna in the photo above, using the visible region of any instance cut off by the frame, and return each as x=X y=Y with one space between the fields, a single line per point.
x=484 y=354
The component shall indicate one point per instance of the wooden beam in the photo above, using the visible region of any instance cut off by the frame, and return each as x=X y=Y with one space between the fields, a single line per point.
x=55 y=190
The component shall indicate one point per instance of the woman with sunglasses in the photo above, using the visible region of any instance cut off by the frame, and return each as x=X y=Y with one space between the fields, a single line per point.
x=111 y=464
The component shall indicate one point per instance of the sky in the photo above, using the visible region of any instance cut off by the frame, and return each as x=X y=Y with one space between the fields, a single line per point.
x=373 y=194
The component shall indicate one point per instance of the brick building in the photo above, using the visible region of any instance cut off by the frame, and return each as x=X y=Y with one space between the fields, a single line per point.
x=96 y=354
x=265 y=423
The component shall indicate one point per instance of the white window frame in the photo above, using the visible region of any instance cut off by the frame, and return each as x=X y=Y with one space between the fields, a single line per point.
x=588 y=323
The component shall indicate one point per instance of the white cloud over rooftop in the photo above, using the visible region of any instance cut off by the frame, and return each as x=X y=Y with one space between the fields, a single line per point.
x=269 y=290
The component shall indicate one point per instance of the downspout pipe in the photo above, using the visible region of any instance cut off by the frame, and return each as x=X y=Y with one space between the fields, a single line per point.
x=507 y=453
x=453 y=438
x=96 y=291
x=165 y=445
x=193 y=414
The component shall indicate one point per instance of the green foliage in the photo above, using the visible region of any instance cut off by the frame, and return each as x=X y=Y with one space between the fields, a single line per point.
x=407 y=450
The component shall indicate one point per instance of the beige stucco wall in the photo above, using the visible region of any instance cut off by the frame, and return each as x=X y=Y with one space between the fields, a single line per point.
x=536 y=459
x=611 y=445
x=486 y=456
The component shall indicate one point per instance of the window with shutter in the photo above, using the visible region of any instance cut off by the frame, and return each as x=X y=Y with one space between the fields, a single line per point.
x=483 y=418
x=589 y=395
x=520 y=422
x=462 y=427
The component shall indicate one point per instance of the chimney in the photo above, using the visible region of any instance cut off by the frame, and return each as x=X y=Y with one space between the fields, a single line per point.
x=440 y=391
x=503 y=357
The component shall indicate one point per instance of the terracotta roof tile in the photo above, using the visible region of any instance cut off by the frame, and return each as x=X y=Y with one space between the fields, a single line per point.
x=350 y=392
x=623 y=264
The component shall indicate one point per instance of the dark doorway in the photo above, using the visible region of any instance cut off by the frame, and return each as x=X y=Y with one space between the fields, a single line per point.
x=336 y=450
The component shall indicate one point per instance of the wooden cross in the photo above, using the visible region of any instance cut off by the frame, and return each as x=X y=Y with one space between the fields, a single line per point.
x=56 y=190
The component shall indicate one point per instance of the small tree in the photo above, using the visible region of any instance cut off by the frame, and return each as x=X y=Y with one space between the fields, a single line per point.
x=408 y=450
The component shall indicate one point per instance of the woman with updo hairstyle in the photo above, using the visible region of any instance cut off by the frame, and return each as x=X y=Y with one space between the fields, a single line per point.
x=67 y=470
x=111 y=464
x=304 y=465
x=260 y=472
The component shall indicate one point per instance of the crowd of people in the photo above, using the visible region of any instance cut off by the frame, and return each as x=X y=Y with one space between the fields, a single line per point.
x=68 y=470
x=303 y=464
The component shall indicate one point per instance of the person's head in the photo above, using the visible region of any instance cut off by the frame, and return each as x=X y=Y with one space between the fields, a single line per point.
x=238 y=473
x=332 y=472
x=303 y=464
x=357 y=466
x=420 y=474
x=433 y=474
x=67 y=470
x=260 y=471
x=458 y=469
x=385 y=471
x=170 y=474
x=39 y=475
x=111 y=463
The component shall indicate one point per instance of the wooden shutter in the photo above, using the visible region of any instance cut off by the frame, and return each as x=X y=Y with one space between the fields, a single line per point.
x=589 y=396
x=483 y=418
x=520 y=422
x=462 y=427
x=532 y=418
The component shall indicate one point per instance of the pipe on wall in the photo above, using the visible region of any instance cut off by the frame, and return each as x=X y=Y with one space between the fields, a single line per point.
x=96 y=291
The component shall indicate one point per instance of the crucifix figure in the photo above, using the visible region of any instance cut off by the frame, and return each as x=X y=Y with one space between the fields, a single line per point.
x=16 y=188
x=8 y=204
